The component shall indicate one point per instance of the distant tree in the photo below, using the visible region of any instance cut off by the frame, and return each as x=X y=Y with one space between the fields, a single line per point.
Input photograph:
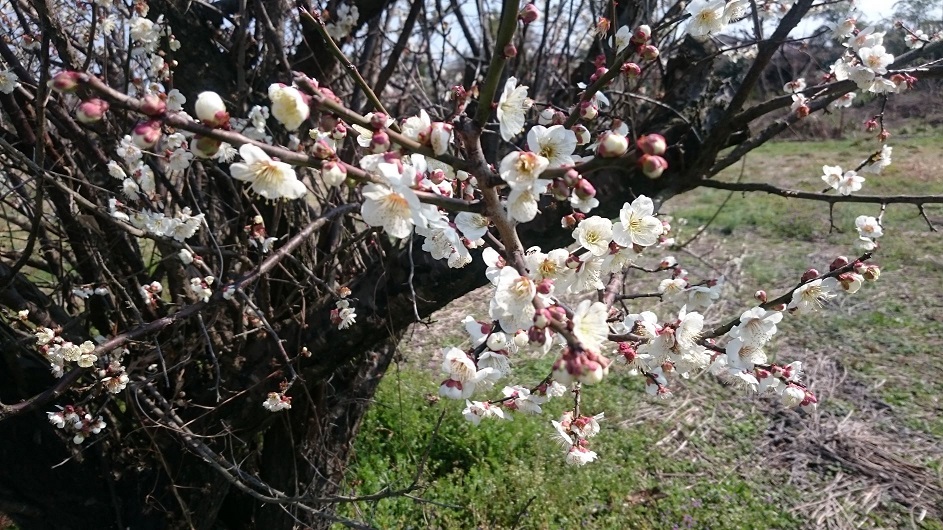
x=220 y=218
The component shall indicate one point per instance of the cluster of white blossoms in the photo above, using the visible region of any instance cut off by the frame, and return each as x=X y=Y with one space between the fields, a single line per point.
x=59 y=351
x=343 y=21
x=276 y=401
x=850 y=181
x=869 y=229
x=77 y=422
x=710 y=17
x=8 y=81
x=573 y=434
x=343 y=316
x=202 y=288
x=866 y=60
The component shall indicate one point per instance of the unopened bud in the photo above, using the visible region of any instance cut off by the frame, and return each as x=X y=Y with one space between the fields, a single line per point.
x=152 y=105
x=809 y=275
x=838 y=263
x=583 y=135
x=210 y=109
x=323 y=149
x=760 y=296
x=573 y=262
x=339 y=132
x=871 y=125
x=802 y=111
x=653 y=165
x=601 y=71
x=652 y=144
x=529 y=14
x=440 y=135
x=380 y=142
x=884 y=135
x=378 y=121
x=545 y=286
x=204 y=146
x=65 y=81
x=585 y=190
x=568 y=221
x=333 y=172
x=631 y=70
x=91 y=110
x=612 y=145
x=642 y=34
x=588 y=110
x=546 y=116
x=649 y=52
x=146 y=134
x=572 y=177
x=510 y=50
x=559 y=118
x=559 y=190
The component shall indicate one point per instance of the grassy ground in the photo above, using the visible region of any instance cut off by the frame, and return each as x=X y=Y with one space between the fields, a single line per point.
x=871 y=457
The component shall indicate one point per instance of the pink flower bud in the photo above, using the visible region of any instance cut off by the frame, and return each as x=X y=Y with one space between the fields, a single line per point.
x=146 y=134
x=760 y=295
x=323 y=150
x=649 y=52
x=631 y=70
x=545 y=286
x=378 y=121
x=778 y=307
x=588 y=110
x=838 y=263
x=612 y=145
x=380 y=143
x=339 y=132
x=601 y=71
x=583 y=135
x=652 y=144
x=802 y=111
x=810 y=275
x=510 y=50
x=204 y=146
x=871 y=125
x=546 y=116
x=152 y=105
x=653 y=165
x=440 y=135
x=210 y=109
x=559 y=118
x=571 y=177
x=91 y=110
x=529 y=14
x=65 y=81
x=536 y=335
x=560 y=190
x=333 y=172
x=642 y=34
x=568 y=221
x=585 y=190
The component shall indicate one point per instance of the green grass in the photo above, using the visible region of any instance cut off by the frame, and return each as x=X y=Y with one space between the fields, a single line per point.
x=489 y=474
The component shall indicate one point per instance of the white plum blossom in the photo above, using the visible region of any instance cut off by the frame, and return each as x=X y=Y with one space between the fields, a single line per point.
x=555 y=143
x=288 y=105
x=396 y=207
x=707 y=17
x=622 y=39
x=475 y=411
x=472 y=225
x=276 y=401
x=8 y=81
x=878 y=161
x=512 y=107
x=268 y=178
x=868 y=227
x=637 y=225
x=845 y=183
x=811 y=296
x=876 y=58
x=521 y=169
x=594 y=234
x=512 y=304
x=589 y=324
x=343 y=21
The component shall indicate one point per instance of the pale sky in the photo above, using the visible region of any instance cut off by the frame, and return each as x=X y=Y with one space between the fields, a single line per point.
x=876 y=9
